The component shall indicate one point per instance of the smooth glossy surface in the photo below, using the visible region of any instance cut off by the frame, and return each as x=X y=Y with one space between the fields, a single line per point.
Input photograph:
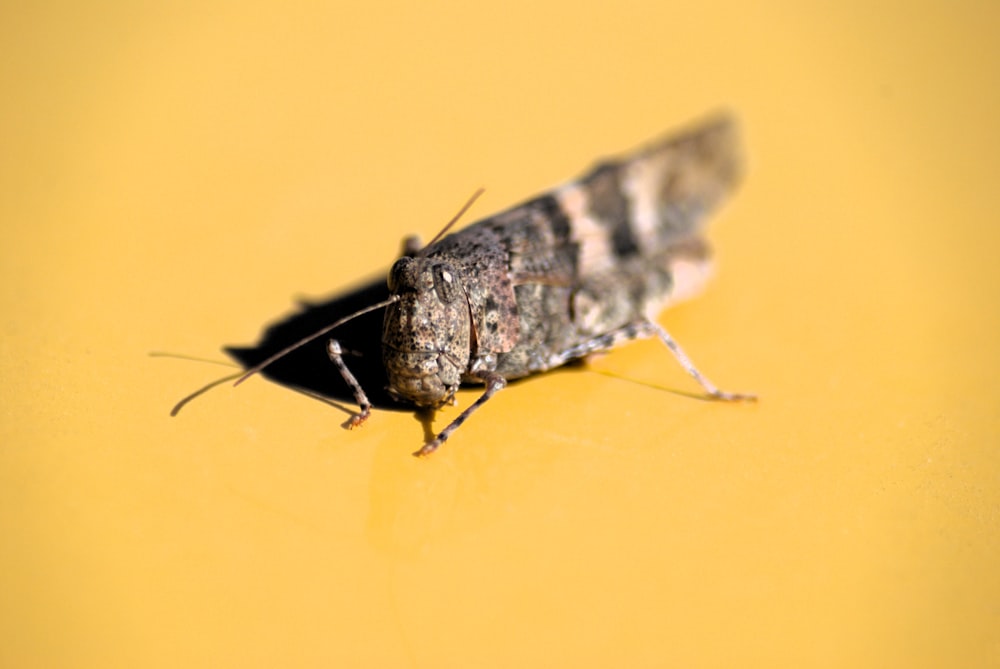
x=174 y=178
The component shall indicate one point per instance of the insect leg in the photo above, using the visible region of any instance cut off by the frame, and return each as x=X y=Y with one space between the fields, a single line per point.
x=337 y=358
x=494 y=382
x=688 y=366
x=640 y=330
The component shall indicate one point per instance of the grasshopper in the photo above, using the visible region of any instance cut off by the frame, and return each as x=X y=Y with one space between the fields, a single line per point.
x=577 y=270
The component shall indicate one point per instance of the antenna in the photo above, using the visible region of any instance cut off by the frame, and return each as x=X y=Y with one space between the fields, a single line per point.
x=454 y=220
x=315 y=335
x=395 y=298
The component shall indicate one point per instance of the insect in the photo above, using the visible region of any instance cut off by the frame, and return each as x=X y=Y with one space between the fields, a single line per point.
x=577 y=270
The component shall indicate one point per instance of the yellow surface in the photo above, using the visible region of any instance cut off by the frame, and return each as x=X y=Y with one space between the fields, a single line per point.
x=174 y=178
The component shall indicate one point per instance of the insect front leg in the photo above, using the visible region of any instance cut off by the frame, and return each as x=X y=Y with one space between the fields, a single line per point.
x=337 y=358
x=494 y=383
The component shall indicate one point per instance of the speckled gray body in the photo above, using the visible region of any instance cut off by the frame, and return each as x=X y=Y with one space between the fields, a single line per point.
x=558 y=277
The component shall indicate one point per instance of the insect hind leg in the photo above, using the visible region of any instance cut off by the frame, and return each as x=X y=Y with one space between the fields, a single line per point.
x=642 y=329
x=713 y=391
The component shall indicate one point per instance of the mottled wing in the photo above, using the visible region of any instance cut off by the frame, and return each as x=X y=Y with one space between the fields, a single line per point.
x=631 y=223
x=643 y=204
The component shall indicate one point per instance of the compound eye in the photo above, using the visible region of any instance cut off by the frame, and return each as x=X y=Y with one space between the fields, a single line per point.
x=445 y=283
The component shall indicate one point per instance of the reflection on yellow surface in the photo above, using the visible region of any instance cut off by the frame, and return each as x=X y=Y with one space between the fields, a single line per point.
x=175 y=178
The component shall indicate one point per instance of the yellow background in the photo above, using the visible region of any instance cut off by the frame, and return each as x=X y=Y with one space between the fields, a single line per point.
x=173 y=178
